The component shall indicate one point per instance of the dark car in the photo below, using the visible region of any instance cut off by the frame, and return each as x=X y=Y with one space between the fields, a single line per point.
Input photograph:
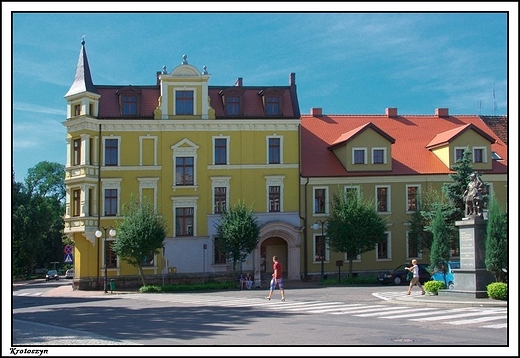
x=52 y=275
x=398 y=276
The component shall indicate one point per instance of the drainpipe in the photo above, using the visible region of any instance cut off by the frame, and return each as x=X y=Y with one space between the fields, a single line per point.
x=304 y=217
x=99 y=205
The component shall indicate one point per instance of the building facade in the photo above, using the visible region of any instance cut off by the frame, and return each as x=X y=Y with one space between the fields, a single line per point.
x=192 y=150
x=391 y=159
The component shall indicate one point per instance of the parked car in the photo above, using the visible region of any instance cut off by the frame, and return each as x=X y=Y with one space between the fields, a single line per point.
x=69 y=273
x=445 y=274
x=52 y=275
x=398 y=275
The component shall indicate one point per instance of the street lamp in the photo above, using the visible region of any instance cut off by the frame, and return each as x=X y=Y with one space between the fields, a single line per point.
x=316 y=226
x=98 y=234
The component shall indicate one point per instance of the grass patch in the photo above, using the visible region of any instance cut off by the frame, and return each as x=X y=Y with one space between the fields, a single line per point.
x=188 y=287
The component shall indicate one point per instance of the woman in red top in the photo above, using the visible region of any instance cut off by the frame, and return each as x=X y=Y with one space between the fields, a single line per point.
x=277 y=279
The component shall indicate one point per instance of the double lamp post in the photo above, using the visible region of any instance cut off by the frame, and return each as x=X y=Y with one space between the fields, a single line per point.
x=316 y=226
x=98 y=234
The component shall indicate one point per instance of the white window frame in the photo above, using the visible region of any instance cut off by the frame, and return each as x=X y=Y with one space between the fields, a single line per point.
x=326 y=200
x=389 y=199
x=228 y=142
x=219 y=182
x=195 y=101
x=267 y=148
x=484 y=154
x=184 y=148
x=364 y=149
x=389 y=246
x=384 y=149
x=185 y=202
x=103 y=142
x=418 y=186
x=314 y=247
x=111 y=183
x=357 y=188
x=155 y=140
x=149 y=183
x=455 y=152
x=274 y=180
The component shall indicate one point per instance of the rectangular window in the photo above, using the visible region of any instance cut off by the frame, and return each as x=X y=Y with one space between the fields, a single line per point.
x=274 y=150
x=110 y=256
x=220 y=151
x=319 y=201
x=77 y=152
x=382 y=249
x=478 y=155
x=129 y=105
x=352 y=192
x=272 y=106
x=184 y=102
x=382 y=199
x=412 y=243
x=359 y=156
x=76 y=202
x=148 y=260
x=111 y=152
x=411 y=198
x=220 y=199
x=378 y=156
x=320 y=249
x=219 y=257
x=110 y=202
x=184 y=221
x=184 y=169
x=459 y=153
x=77 y=109
x=274 y=198
x=232 y=106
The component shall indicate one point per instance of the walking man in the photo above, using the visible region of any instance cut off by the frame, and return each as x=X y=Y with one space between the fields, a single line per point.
x=277 y=279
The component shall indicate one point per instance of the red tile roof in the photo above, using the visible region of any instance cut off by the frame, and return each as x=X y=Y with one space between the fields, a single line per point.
x=412 y=134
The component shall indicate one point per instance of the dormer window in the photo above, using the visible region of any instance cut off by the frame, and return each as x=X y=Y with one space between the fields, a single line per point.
x=232 y=101
x=232 y=105
x=272 y=102
x=129 y=99
x=272 y=106
x=184 y=102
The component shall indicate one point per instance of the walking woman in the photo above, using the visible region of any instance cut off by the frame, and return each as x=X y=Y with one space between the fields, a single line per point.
x=415 y=279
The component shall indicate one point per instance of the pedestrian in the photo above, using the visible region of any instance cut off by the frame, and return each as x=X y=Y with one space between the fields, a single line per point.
x=249 y=281
x=277 y=279
x=415 y=279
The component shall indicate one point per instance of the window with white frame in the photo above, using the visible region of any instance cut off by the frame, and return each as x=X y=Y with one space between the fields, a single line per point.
x=184 y=102
x=221 y=150
x=274 y=189
x=379 y=155
x=479 y=154
x=148 y=188
x=384 y=249
x=383 y=199
x=459 y=153
x=111 y=150
x=352 y=191
x=184 y=163
x=110 y=255
x=111 y=196
x=412 y=197
x=320 y=200
x=184 y=210
x=413 y=247
x=359 y=155
x=274 y=150
x=320 y=248
x=220 y=188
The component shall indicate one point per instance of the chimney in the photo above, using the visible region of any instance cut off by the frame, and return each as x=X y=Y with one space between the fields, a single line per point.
x=441 y=112
x=316 y=112
x=292 y=79
x=238 y=82
x=391 y=112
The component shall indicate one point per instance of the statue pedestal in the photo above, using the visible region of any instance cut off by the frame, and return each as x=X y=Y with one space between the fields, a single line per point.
x=472 y=277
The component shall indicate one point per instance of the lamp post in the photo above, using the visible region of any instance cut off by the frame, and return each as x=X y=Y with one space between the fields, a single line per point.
x=98 y=234
x=316 y=226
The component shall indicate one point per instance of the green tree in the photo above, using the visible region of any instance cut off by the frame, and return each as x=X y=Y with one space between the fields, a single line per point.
x=37 y=218
x=440 y=250
x=140 y=235
x=354 y=226
x=496 y=240
x=238 y=233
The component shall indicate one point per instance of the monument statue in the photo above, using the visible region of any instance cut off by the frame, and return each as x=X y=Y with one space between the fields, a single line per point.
x=473 y=196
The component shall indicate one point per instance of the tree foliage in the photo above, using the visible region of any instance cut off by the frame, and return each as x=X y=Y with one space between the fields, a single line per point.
x=37 y=218
x=238 y=233
x=354 y=226
x=440 y=250
x=496 y=240
x=140 y=235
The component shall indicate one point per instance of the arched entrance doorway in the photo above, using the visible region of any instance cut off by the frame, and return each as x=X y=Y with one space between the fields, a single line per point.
x=283 y=240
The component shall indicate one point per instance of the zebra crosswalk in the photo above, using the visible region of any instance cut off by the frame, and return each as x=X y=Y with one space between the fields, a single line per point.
x=484 y=317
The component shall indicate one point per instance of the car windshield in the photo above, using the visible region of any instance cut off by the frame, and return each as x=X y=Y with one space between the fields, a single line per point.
x=51 y=272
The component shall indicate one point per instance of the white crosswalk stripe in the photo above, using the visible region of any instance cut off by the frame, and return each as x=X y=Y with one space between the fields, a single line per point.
x=480 y=316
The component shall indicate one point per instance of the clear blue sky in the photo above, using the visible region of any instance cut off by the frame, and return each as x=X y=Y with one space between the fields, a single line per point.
x=345 y=63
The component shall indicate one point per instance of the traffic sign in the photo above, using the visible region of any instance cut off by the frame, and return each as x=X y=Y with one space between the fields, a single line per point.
x=68 y=249
x=67 y=258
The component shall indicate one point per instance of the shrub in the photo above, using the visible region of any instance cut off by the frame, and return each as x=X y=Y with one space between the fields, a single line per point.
x=433 y=287
x=497 y=290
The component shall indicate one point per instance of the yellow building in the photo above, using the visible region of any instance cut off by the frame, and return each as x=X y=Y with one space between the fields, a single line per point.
x=389 y=158
x=192 y=149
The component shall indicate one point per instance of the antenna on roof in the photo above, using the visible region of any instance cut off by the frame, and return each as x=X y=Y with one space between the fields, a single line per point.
x=479 y=106
x=494 y=102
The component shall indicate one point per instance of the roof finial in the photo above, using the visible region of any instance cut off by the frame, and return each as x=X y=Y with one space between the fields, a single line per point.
x=83 y=39
x=184 y=59
x=205 y=68
x=164 y=69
